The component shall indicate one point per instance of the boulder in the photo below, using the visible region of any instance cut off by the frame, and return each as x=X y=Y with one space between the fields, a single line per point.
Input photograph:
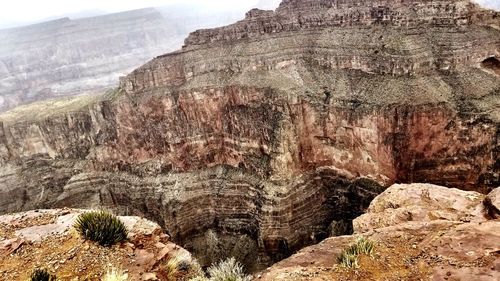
x=420 y=202
x=492 y=203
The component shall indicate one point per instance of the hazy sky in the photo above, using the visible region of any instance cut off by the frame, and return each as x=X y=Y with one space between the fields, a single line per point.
x=20 y=12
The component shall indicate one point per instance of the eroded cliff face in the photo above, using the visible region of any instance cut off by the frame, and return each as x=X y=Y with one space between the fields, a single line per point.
x=258 y=135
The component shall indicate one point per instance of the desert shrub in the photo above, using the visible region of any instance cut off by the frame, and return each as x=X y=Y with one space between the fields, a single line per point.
x=228 y=270
x=361 y=246
x=182 y=267
x=348 y=260
x=349 y=257
x=42 y=275
x=101 y=227
x=115 y=275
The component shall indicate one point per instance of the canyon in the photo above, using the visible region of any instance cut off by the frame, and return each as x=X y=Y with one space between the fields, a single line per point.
x=275 y=132
x=67 y=57
x=86 y=56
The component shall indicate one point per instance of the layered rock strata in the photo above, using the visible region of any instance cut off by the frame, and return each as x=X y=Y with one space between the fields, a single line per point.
x=258 y=135
x=84 y=56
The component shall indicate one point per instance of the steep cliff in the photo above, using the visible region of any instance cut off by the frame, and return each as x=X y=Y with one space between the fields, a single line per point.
x=256 y=136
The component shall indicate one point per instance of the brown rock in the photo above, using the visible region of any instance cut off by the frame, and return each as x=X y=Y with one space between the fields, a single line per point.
x=418 y=249
x=492 y=203
x=8 y=247
x=149 y=277
x=420 y=202
x=145 y=259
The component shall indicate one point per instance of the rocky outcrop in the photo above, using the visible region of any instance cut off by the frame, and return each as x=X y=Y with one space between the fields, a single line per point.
x=423 y=203
x=256 y=137
x=492 y=202
x=46 y=239
x=443 y=235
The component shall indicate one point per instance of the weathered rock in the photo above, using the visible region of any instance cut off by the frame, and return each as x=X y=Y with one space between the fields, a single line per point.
x=9 y=246
x=420 y=202
x=492 y=203
x=423 y=248
x=264 y=132
x=44 y=238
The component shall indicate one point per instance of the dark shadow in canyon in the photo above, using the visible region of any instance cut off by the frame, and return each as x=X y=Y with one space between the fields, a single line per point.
x=226 y=212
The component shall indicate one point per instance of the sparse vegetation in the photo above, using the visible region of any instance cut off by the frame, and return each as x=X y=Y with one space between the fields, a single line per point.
x=228 y=270
x=101 y=227
x=182 y=268
x=42 y=275
x=348 y=260
x=349 y=257
x=115 y=275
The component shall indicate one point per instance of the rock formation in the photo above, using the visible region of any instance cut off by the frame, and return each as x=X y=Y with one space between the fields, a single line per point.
x=45 y=239
x=256 y=136
x=421 y=231
x=84 y=56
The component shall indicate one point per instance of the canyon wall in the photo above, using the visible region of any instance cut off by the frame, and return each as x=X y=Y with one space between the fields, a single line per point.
x=262 y=135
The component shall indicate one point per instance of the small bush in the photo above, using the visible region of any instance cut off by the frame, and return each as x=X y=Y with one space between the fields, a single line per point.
x=182 y=267
x=362 y=246
x=348 y=260
x=101 y=227
x=115 y=275
x=349 y=257
x=42 y=275
x=228 y=270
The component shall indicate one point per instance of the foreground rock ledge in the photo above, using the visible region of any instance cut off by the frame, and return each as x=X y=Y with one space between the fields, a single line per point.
x=423 y=232
x=45 y=238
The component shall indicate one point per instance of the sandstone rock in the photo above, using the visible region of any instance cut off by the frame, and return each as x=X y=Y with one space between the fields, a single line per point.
x=411 y=250
x=43 y=237
x=420 y=202
x=9 y=246
x=492 y=203
x=145 y=259
x=149 y=277
x=64 y=221
x=468 y=242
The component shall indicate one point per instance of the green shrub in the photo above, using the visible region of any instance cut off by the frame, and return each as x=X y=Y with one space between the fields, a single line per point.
x=101 y=227
x=349 y=257
x=348 y=260
x=228 y=270
x=361 y=246
x=42 y=275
